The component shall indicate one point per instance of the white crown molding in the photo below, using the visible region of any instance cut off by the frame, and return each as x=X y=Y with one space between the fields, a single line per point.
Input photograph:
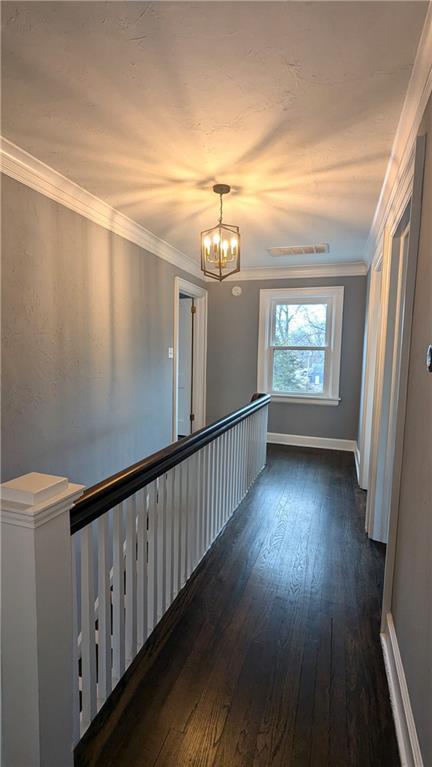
x=347 y=269
x=400 y=163
x=409 y=747
x=23 y=167
x=300 y=440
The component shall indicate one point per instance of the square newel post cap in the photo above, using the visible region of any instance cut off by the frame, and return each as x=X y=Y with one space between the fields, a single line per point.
x=35 y=498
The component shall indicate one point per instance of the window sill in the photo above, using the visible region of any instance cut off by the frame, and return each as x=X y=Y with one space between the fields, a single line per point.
x=305 y=399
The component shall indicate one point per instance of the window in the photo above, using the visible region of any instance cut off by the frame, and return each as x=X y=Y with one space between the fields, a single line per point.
x=299 y=344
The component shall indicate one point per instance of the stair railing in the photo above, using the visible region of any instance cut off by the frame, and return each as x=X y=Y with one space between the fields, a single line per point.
x=79 y=614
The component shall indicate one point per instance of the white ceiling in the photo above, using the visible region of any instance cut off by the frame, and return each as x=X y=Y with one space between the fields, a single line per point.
x=146 y=105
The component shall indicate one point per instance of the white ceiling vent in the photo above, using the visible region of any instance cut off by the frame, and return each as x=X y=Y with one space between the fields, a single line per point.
x=300 y=250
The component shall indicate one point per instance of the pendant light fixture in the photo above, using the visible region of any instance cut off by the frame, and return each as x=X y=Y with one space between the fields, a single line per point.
x=220 y=245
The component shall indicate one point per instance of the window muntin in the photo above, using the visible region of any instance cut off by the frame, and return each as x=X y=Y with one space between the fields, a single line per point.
x=299 y=348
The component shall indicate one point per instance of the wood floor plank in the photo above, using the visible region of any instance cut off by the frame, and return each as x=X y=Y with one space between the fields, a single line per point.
x=271 y=654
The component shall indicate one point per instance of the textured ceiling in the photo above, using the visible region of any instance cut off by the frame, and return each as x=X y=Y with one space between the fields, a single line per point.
x=148 y=104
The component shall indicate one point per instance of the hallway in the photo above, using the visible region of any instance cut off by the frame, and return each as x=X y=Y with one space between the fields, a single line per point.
x=272 y=655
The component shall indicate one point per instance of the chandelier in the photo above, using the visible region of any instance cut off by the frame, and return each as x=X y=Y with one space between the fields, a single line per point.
x=220 y=245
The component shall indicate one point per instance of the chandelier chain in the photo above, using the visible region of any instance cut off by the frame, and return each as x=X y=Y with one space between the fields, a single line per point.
x=220 y=210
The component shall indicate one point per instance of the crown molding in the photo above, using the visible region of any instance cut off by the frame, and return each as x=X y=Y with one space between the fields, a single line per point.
x=310 y=271
x=399 y=167
x=28 y=170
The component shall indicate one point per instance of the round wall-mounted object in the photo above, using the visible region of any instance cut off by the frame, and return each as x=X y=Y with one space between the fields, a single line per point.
x=236 y=291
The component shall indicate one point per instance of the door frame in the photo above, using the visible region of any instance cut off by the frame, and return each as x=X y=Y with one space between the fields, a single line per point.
x=369 y=370
x=415 y=222
x=199 y=295
x=387 y=382
x=408 y=192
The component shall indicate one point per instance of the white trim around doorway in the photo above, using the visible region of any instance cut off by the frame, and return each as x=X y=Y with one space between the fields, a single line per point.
x=199 y=352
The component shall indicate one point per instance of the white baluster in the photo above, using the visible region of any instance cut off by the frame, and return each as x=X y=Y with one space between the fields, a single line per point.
x=213 y=491
x=192 y=484
x=104 y=611
x=235 y=466
x=142 y=624
x=224 y=478
x=250 y=424
x=200 y=514
x=240 y=461
x=203 y=500
x=131 y=579
x=170 y=538
x=178 y=528
x=118 y=596
x=88 y=631
x=251 y=476
x=208 y=496
x=185 y=511
x=221 y=480
x=75 y=654
x=152 y=558
x=227 y=470
x=162 y=511
x=264 y=436
x=216 y=488
x=197 y=482
x=174 y=531
x=231 y=471
x=256 y=442
x=244 y=459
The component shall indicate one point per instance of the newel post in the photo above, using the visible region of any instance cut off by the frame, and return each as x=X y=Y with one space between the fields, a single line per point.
x=36 y=621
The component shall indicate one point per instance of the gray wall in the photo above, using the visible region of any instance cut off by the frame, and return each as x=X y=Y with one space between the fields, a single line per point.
x=232 y=358
x=87 y=319
x=412 y=587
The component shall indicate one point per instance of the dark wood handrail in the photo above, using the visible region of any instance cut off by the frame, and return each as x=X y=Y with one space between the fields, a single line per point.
x=102 y=497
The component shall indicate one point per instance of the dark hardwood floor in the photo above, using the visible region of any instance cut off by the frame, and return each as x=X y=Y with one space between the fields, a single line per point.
x=271 y=655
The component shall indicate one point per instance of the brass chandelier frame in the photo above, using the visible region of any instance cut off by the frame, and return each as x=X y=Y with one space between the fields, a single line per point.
x=212 y=244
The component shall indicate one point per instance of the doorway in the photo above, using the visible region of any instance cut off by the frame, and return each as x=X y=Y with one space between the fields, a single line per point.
x=185 y=398
x=190 y=353
x=378 y=506
x=398 y=281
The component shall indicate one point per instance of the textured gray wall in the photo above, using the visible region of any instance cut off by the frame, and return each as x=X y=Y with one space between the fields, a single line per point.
x=412 y=588
x=87 y=319
x=232 y=358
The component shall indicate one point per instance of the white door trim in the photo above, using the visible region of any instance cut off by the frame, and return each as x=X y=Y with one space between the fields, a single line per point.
x=405 y=342
x=369 y=373
x=199 y=351
x=385 y=354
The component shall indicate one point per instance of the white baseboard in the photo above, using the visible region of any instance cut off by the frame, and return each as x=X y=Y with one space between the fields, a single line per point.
x=409 y=747
x=300 y=440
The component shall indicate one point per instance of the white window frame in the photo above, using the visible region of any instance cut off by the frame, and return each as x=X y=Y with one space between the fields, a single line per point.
x=333 y=297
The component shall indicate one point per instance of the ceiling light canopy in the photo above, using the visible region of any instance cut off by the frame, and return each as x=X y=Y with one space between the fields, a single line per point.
x=220 y=245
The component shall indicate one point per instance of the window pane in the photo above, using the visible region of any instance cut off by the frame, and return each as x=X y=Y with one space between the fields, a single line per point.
x=299 y=324
x=298 y=371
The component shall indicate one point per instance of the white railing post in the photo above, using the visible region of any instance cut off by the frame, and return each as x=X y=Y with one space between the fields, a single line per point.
x=36 y=621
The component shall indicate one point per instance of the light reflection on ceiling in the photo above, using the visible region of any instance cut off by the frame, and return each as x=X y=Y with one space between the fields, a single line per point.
x=147 y=105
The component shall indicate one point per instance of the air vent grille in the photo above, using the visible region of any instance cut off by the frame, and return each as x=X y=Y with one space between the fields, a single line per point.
x=300 y=250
